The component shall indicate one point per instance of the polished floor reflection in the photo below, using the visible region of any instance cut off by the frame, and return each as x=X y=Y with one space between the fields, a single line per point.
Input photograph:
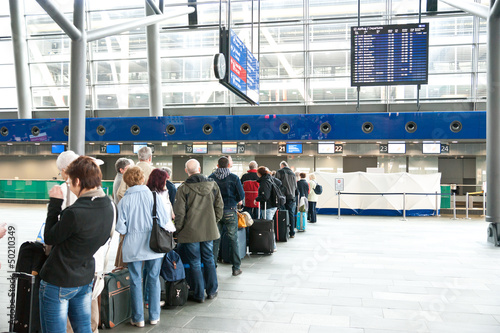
x=355 y=275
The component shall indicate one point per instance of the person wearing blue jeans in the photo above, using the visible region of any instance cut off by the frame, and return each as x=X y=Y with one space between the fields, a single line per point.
x=198 y=206
x=232 y=194
x=58 y=303
x=135 y=222
x=289 y=182
x=152 y=268
x=76 y=234
x=230 y=220
x=201 y=279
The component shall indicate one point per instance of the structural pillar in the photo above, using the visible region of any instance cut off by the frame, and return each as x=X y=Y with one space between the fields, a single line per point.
x=493 y=116
x=78 y=74
x=154 y=66
x=20 y=58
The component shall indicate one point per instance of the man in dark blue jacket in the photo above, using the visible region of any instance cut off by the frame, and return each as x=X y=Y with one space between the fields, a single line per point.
x=232 y=194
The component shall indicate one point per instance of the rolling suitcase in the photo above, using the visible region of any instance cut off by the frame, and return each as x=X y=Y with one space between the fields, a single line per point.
x=261 y=236
x=115 y=298
x=301 y=221
x=281 y=224
x=22 y=319
x=30 y=260
x=225 y=244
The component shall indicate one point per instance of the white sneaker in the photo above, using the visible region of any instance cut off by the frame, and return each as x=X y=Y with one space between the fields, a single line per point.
x=154 y=322
x=162 y=303
x=138 y=324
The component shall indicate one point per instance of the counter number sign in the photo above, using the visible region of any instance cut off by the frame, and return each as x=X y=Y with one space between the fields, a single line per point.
x=339 y=149
x=189 y=149
x=445 y=149
x=384 y=148
x=282 y=148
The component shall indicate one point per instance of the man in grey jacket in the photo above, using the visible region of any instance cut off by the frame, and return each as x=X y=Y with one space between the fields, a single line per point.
x=198 y=207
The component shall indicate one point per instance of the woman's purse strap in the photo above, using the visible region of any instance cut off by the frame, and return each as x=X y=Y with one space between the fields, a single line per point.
x=110 y=235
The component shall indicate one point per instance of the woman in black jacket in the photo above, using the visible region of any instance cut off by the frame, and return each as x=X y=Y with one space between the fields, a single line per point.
x=76 y=233
x=267 y=195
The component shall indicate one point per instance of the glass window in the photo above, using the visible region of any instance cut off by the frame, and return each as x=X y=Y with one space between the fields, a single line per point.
x=5 y=29
x=281 y=38
x=32 y=7
x=330 y=63
x=281 y=10
x=446 y=59
x=411 y=6
x=50 y=74
x=194 y=93
x=188 y=69
x=56 y=97
x=7 y=52
x=49 y=49
x=44 y=24
x=8 y=98
x=282 y=91
x=189 y=42
x=122 y=71
x=330 y=36
x=122 y=96
x=450 y=30
x=282 y=65
x=340 y=90
x=101 y=19
x=482 y=58
x=448 y=86
x=482 y=84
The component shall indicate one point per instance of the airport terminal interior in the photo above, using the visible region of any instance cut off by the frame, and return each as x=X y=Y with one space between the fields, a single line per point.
x=417 y=260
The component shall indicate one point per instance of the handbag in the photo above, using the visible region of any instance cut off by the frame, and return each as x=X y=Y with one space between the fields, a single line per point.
x=99 y=276
x=241 y=220
x=161 y=241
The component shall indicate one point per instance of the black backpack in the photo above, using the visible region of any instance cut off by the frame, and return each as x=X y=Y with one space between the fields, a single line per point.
x=276 y=195
x=318 y=189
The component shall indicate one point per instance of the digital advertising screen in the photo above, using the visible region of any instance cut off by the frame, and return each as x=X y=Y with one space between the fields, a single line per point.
x=396 y=148
x=229 y=148
x=112 y=149
x=57 y=149
x=326 y=148
x=200 y=148
x=138 y=146
x=431 y=148
x=294 y=148
x=389 y=54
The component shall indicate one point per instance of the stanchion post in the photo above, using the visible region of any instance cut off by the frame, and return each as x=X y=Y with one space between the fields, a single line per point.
x=404 y=207
x=467 y=206
x=454 y=206
x=437 y=210
x=484 y=203
x=338 y=217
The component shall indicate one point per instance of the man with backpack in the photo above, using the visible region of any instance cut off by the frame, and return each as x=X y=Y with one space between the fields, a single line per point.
x=289 y=182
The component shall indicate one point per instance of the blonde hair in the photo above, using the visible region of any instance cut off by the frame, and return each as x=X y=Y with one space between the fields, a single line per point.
x=312 y=176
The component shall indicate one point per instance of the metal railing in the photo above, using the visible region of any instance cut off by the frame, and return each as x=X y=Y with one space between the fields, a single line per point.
x=404 y=195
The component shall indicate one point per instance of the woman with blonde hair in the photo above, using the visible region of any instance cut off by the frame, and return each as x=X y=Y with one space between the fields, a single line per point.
x=313 y=198
x=135 y=221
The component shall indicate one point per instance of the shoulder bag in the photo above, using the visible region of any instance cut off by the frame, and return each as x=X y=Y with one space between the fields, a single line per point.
x=161 y=241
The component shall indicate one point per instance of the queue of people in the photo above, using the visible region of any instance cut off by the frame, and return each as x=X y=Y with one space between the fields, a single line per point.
x=81 y=220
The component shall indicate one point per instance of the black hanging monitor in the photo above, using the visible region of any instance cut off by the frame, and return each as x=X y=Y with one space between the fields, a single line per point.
x=390 y=54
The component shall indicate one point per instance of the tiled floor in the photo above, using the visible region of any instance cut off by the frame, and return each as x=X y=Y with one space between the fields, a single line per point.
x=354 y=275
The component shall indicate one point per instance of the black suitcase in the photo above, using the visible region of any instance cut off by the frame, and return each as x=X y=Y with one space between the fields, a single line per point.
x=22 y=303
x=225 y=244
x=30 y=260
x=261 y=237
x=115 y=298
x=281 y=225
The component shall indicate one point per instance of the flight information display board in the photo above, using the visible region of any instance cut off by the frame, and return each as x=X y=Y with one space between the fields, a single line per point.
x=242 y=67
x=389 y=54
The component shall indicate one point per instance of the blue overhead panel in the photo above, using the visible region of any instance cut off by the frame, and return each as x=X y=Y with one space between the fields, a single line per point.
x=315 y=127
